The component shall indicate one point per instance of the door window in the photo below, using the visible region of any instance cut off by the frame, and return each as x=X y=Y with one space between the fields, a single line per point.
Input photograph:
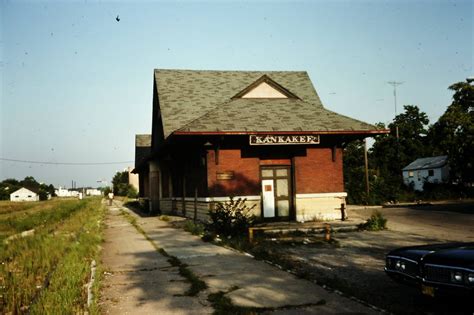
x=278 y=180
x=282 y=187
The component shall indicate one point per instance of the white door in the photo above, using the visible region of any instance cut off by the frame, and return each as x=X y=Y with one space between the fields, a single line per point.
x=268 y=198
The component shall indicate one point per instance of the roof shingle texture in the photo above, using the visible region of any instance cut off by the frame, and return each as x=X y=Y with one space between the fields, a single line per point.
x=142 y=140
x=273 y=115
x=142 y=148
x=202 y=101
x=426 y=163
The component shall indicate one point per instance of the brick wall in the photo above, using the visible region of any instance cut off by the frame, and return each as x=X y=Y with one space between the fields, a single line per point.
x=246 y=174
x=269 y=162
x=317 y=173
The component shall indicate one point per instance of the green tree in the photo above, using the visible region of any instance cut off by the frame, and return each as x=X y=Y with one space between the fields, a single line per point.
x=389 y=155
x=42 y=194
x=132 y=192
x=8 y=186
x=30 y=183
x=354 y=173
x=51 y=190
x=453 y=133
x=120 y=184
x=106 y=191
x=11 y=181
x=45 y=190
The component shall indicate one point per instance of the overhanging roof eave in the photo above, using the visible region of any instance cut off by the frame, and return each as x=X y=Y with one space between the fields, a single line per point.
x=321 y=132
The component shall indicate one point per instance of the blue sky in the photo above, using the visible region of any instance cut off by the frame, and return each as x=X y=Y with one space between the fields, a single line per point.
x=76 y=85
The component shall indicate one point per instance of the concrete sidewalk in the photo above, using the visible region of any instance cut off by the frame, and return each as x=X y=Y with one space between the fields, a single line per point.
x=138 y=279
x=143 y=281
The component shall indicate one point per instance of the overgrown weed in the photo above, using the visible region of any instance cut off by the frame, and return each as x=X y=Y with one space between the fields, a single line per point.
x=376 y=222
x=194 y=228
x=45 y=272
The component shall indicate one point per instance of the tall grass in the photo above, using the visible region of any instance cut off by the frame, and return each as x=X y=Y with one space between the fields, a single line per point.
x=17 y=217
x=13 y=207
x=46 y=272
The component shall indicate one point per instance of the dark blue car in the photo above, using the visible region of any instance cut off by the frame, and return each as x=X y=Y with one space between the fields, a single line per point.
x=437 y=269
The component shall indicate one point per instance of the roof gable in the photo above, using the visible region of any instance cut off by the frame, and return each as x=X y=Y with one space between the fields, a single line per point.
x=24 y=191
x=265 y=87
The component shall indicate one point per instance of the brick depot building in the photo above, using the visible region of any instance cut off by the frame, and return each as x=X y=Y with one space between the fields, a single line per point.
x=263 y=136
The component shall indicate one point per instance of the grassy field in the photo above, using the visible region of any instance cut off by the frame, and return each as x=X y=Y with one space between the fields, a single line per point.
x=45 y=273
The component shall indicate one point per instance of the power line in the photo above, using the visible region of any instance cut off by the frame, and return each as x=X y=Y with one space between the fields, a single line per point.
x=64 y=163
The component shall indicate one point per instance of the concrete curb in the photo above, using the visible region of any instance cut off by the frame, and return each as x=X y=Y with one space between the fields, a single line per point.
x=362 y=207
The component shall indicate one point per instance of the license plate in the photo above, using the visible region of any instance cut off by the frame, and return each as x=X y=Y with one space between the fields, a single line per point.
x=427 y=290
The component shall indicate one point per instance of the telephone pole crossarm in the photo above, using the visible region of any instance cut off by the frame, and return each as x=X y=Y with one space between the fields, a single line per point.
x=395 y=84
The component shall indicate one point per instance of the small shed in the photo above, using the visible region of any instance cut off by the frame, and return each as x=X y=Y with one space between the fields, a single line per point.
x=430 y=169
x=24 y=194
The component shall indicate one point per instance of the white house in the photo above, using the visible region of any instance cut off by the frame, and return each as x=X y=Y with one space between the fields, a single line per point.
x=431 y=169
x=24 y=194
x=93 y=192
x=63 y=192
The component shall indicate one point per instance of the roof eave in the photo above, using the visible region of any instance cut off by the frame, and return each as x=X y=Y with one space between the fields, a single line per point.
x=424 y=167
x=322 y=132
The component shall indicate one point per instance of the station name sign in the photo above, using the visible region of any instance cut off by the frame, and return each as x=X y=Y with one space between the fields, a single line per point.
x=283 y=139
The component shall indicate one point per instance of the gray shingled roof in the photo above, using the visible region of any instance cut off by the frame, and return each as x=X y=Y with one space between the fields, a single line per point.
x=202 y=101
x=273 y=115
x=142 y=140
x=142 y=148
x=426 y=163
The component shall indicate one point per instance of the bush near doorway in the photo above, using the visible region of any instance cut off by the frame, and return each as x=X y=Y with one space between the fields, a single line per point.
x=231 y=218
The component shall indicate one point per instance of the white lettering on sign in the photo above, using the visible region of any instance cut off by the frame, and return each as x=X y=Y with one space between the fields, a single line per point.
x=283 y=139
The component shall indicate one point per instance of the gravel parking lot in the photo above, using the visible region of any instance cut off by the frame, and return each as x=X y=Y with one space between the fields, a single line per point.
x=355 y=267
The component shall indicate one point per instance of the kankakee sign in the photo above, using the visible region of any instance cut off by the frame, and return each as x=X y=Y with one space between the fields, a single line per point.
x=283 y=139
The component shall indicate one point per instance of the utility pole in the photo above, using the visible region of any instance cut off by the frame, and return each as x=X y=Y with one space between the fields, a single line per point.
x=367 y=189
x=395 y=84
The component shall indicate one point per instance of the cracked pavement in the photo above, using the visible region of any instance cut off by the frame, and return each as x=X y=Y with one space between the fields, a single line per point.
x=140 y=280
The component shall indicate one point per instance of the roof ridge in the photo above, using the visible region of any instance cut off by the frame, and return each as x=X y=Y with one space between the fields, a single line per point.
x=242 y=71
